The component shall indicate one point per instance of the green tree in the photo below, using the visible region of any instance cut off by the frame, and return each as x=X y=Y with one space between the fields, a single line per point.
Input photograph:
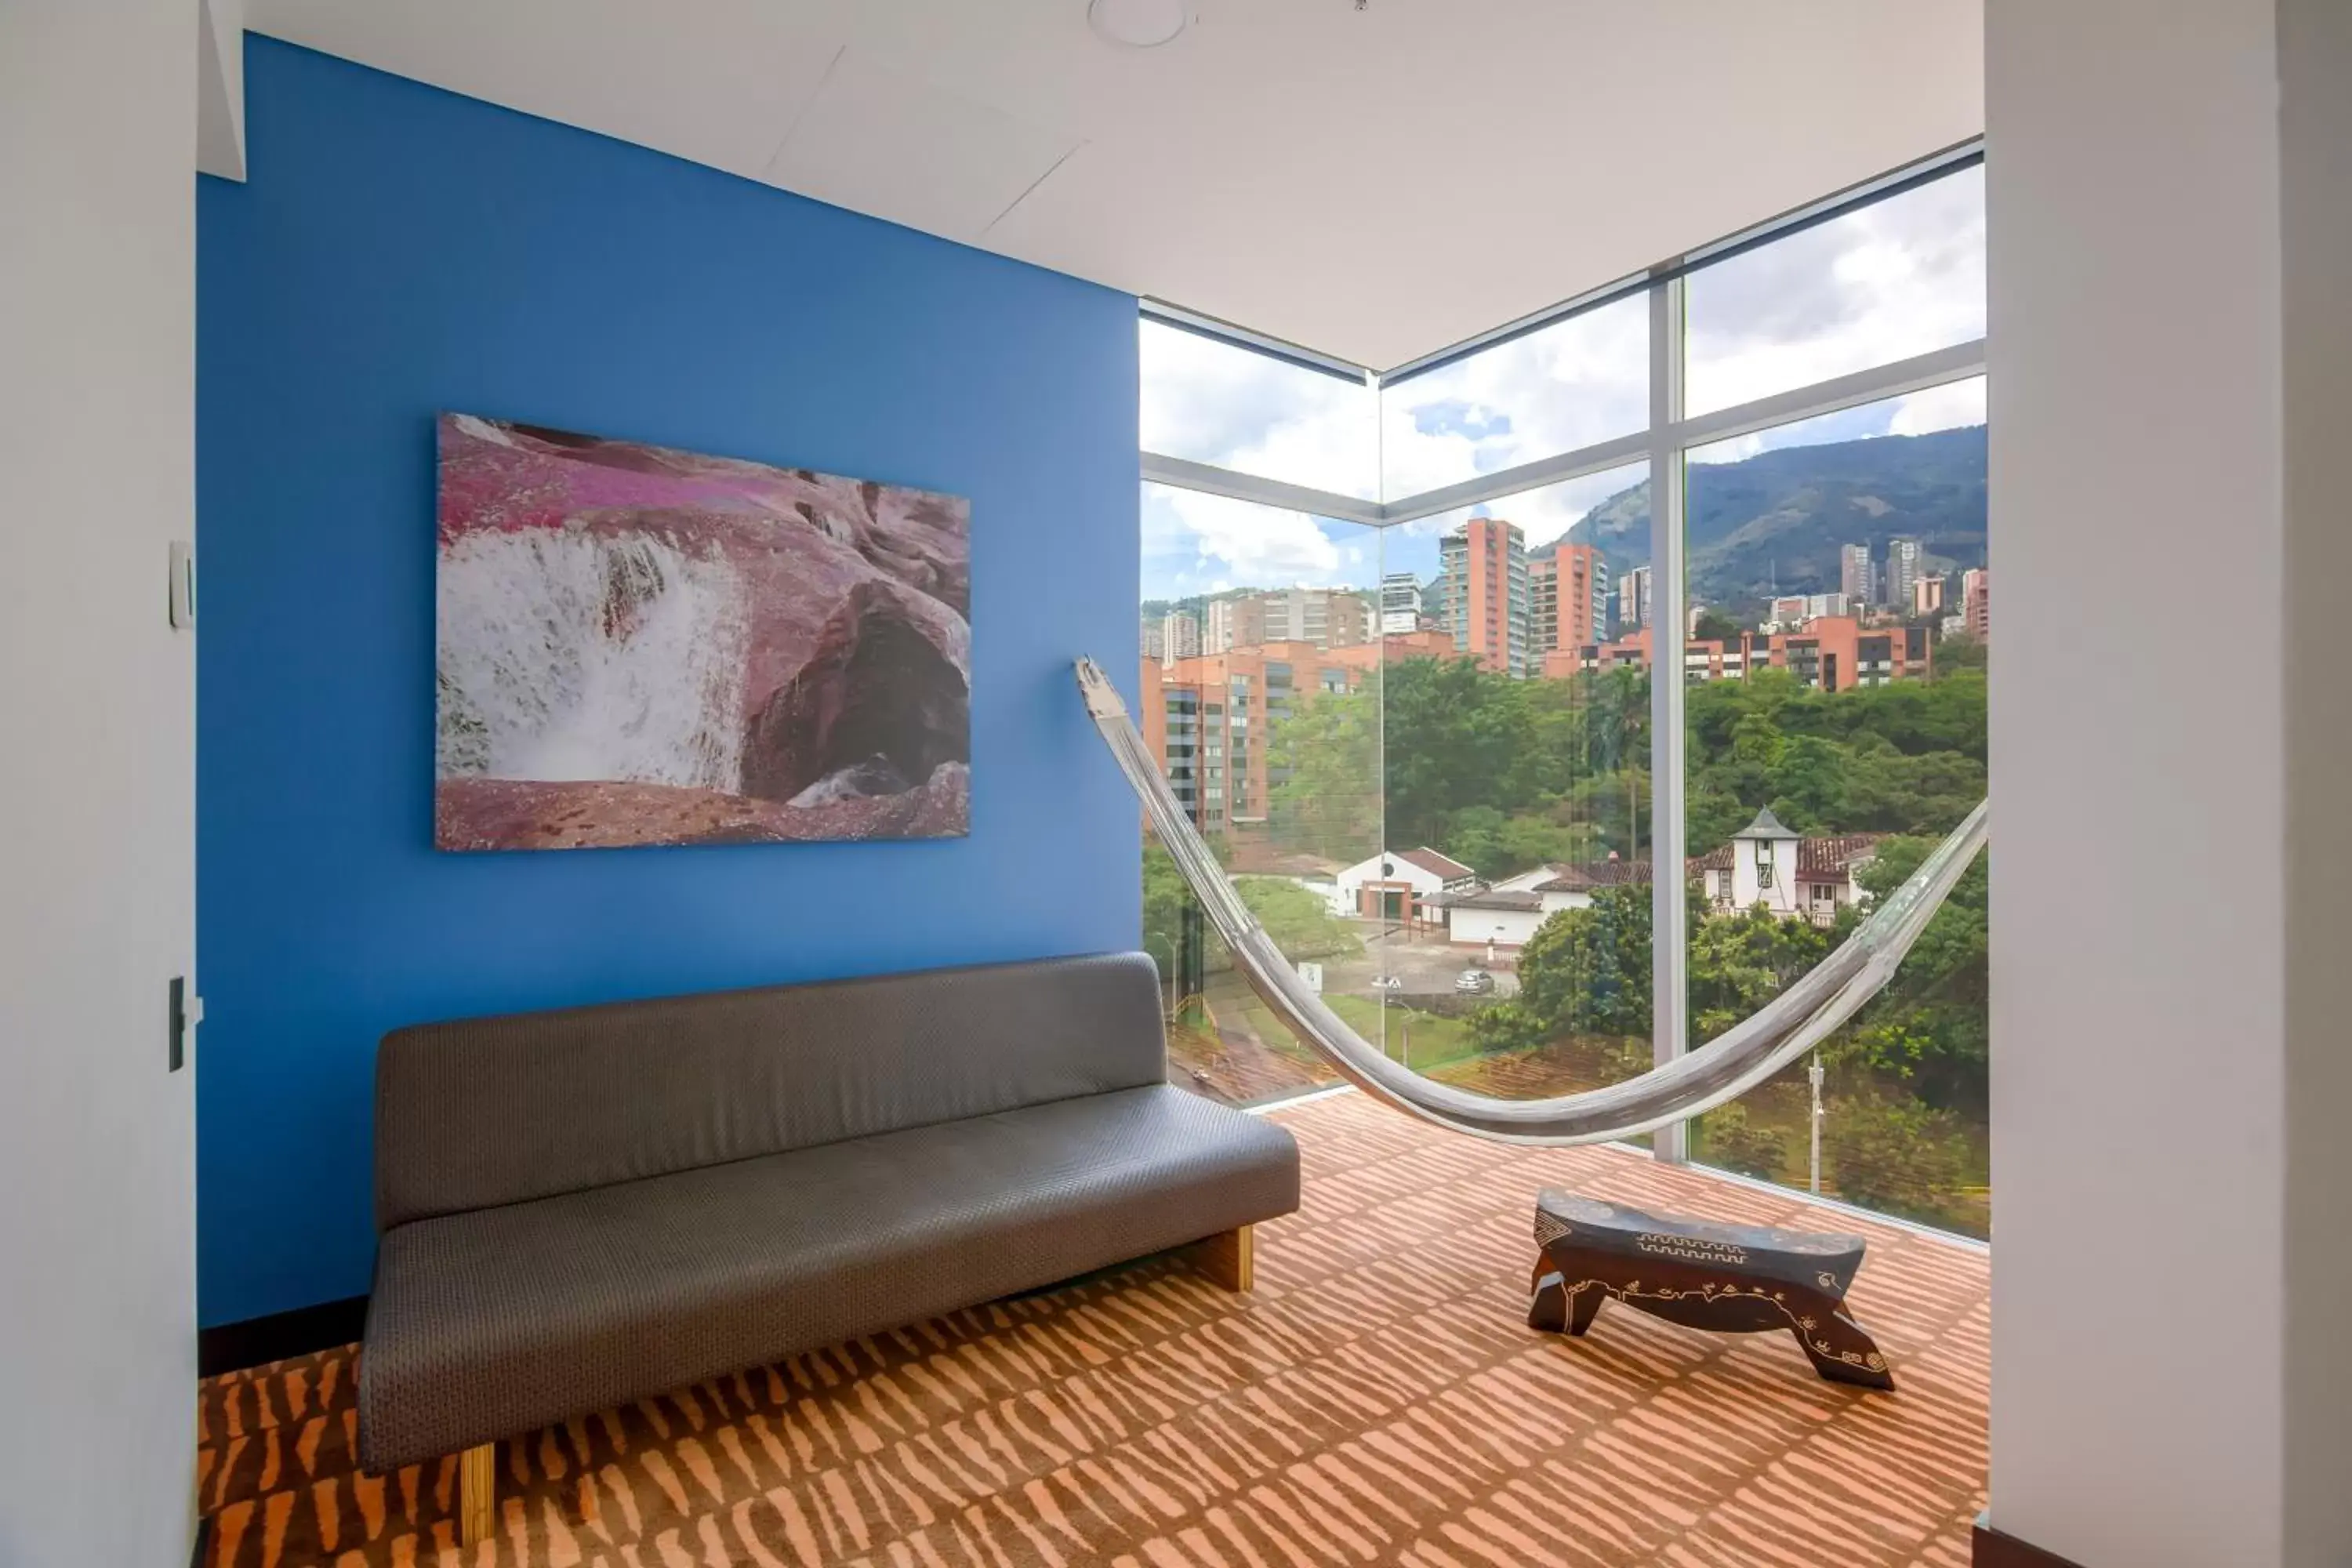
x=1507 y=1026
x=1735 y=1142
x=1713 y=625
x=1299 y=921
x=1165 y=929
x=1741 y=959
x=1958 y=652
x=1497 y=845
x=1587 y=971
x=1896 y=1155
x=1325 y=755
x=1460 y=737
x=1929 y=1026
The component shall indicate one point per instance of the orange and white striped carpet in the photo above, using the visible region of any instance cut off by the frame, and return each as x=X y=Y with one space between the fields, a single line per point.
x=1376 y=1400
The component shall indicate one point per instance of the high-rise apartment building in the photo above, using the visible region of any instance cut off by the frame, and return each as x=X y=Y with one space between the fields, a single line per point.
x=1180 y=635
x=1209 y=721
x=1927 y=594
x=1400 y=603
x=1976 y=602
x=1485 y=563
x=1348 y=618
x=1857 y=574
x=1634 y=598
x=1568 y=597
x=1217 y=630
x=1328 y=617
x=1905 y=558
x=1155 y=640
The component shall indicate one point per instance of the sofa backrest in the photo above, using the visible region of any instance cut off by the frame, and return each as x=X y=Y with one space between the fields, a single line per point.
x=488 y=1112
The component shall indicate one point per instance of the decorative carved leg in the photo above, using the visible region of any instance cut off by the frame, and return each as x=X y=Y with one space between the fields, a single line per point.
x=477 y=1493
x=1226 y=1258
x=1840 y=1349
x=1547 y=1298
x=1550 y=1307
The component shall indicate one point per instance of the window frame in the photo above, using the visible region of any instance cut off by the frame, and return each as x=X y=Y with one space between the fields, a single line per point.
x=1665 y=445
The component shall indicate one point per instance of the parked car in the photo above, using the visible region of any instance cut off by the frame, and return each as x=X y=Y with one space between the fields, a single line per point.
x=1388 y=984
x=1474 y=983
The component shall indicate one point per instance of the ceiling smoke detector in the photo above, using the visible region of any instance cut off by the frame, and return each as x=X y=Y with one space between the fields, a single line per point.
x=1138 y=24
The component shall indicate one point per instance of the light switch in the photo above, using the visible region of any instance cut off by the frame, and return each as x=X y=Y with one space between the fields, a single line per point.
x=184 y=584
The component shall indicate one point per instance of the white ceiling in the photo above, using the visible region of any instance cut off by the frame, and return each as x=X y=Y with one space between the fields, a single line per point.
x=1373 y=183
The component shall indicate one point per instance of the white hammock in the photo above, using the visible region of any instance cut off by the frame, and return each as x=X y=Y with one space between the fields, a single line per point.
x=1723 y=1069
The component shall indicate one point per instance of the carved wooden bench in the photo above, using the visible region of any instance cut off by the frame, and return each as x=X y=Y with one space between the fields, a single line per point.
x=1732 y=1278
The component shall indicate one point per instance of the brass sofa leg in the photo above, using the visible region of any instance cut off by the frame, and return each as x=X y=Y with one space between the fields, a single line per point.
x=478 y=1493
x=1225 y=1258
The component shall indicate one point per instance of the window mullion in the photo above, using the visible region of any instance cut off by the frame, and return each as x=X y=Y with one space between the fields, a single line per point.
x=1668 y=946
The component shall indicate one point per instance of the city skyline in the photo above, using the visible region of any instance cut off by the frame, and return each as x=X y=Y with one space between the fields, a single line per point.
x=1488 y=578
x=1526 y=600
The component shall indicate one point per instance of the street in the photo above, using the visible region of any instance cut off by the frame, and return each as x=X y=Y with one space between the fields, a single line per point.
x=1426 y=962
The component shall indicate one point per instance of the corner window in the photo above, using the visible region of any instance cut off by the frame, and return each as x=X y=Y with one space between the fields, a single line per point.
x=1480 y=686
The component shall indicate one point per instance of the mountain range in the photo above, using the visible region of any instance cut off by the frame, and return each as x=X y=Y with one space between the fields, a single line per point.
x=1776 y=520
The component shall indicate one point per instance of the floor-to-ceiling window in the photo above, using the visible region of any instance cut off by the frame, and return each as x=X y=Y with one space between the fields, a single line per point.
x=1666 y=614
x=1261 y=691
x=1836 y=725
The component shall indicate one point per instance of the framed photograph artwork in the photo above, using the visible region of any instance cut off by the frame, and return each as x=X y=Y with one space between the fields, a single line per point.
x=643 y=645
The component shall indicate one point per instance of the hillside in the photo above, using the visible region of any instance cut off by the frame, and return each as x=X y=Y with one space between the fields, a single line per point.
x=1781 y=516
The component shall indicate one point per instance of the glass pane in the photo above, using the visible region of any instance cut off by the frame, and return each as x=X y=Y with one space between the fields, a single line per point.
x=1836 y=715
x=1901 y=276
x=1517 y=751
x=1577 y=382
x=1217 y=403
x=1260 y=690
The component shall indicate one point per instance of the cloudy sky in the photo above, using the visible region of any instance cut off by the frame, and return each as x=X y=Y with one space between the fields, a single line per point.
x=1896 y=279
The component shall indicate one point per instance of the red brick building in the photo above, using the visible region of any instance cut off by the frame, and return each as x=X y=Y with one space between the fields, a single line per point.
x=1486 y=581
x=1568 y=598
x=1832 y=653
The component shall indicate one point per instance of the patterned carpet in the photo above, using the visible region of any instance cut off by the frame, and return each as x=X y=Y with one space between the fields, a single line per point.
x=1376 y=1400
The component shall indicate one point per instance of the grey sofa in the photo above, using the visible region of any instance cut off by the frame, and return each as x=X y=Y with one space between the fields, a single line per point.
x=584 y=1207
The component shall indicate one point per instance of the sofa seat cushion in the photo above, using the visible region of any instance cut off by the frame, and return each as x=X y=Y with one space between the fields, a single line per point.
x=496 y=1321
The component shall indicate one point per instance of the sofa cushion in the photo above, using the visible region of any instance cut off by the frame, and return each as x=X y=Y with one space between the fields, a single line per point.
x=486 y=1111
x=501 y=1320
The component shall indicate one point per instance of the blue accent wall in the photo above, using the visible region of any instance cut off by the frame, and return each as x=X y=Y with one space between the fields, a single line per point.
x=399 y=251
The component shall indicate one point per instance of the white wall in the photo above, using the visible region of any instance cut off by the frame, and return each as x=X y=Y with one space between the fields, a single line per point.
x=2316 y=160
x=1427 y=884
x=2139 y=1036
x=98 y=113
x=1506 y=928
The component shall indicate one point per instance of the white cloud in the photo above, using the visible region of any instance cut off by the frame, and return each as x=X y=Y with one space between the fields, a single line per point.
x=1216 y=404
x=1945 y=407
x=1584 y=380
x=1899 y=278
x=1237 y=541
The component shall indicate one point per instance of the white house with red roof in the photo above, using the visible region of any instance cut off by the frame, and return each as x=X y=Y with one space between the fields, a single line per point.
x=1766 y=863
x=1507 y=914
x=1771 y=864
x=1401 y=885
